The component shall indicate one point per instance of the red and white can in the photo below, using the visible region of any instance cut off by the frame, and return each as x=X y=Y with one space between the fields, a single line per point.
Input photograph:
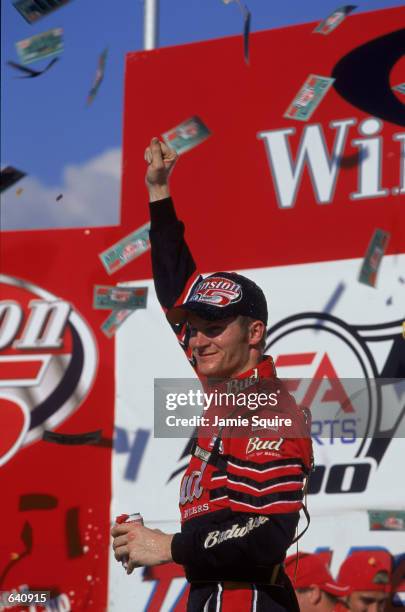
x=129 y=518
x=136 y=517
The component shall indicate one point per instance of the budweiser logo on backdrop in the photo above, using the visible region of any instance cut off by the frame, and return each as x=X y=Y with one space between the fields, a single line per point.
x=48 y=362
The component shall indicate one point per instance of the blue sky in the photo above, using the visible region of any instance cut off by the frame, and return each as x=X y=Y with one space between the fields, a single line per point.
x=46 y=128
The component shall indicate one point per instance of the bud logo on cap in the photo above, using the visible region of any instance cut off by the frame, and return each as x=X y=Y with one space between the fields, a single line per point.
x=217 y=291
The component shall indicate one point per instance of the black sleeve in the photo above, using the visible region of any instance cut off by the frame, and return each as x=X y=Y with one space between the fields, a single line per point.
x=172 y=262
x=242 y=543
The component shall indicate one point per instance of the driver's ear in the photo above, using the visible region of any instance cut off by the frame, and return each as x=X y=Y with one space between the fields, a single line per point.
x=256 y=331
x=315 y=594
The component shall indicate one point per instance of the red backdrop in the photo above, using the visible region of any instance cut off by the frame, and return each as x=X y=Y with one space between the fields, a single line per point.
x=225 y=193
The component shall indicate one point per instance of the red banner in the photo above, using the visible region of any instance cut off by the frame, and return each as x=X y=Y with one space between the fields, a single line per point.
x=264 y=190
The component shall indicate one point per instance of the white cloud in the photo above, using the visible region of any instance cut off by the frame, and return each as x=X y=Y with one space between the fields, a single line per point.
x=91 y=197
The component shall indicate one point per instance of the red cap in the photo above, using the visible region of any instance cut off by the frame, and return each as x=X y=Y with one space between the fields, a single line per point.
x=311 y=570
x=367 y=570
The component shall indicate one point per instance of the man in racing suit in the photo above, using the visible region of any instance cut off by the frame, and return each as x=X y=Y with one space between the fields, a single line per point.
x=241 y=494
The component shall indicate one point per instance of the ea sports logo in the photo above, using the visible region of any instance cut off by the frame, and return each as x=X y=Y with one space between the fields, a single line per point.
x=333 y=372
x=318 y=356
x=48 y=363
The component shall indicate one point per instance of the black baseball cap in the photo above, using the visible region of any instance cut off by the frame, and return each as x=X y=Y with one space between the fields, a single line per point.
x=222 y=295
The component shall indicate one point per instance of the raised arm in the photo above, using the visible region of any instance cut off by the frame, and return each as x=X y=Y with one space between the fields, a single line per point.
x=173 y=265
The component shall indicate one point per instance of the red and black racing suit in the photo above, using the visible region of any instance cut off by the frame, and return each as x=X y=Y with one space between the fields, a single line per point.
x=239 y=503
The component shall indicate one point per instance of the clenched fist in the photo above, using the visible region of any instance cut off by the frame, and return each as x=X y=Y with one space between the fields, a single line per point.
x=161 y=160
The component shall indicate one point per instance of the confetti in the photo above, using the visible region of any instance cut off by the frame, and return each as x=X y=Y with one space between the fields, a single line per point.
x=246 y=31
x=186 y=135
x=32 y=10
x=99 y=76
x=331 y=303
x=334 y=20
x=309 y=97
x=373 y=257
x=125 y=250
x=40 y=46
x=386 y=520
x=351 y=161
x=114 y=322
x=246 y=14
x=30 y=73
x=9 y=176
x=110 y=298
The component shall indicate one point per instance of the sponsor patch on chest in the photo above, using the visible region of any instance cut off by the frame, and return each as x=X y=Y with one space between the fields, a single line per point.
x=256 y=444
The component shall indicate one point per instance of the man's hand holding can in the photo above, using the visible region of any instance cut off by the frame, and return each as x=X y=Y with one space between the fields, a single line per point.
x=136 y=546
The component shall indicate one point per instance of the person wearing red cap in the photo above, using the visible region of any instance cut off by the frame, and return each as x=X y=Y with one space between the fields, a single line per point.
x=368 y=574
x=314 y=586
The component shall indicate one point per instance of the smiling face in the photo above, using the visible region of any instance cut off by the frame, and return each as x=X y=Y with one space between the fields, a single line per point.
x=224 y=348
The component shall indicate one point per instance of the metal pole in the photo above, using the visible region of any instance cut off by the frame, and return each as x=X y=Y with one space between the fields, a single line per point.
x=151 y=24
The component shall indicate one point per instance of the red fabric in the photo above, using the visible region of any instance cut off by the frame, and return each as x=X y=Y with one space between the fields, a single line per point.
x=368 y=570
x=237 y=598
x=307 y=569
